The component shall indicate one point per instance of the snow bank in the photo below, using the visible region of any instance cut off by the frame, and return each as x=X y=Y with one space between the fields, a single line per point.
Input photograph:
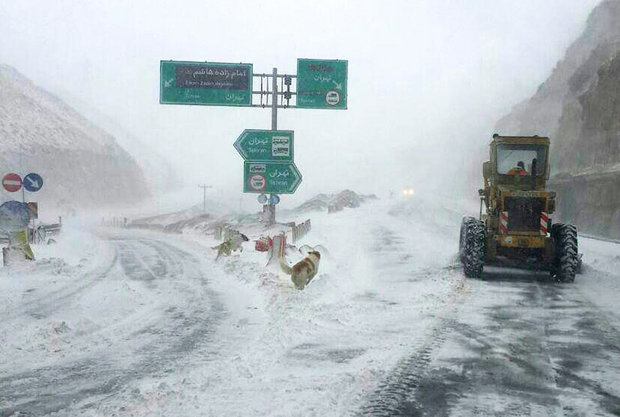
x=26 y=291
x=383 y=281
x=600 y=280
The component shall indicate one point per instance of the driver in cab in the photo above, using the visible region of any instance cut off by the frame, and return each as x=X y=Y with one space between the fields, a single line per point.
x=518 y=170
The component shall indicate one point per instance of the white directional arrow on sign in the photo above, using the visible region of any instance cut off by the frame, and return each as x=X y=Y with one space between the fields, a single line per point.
x=33 y=183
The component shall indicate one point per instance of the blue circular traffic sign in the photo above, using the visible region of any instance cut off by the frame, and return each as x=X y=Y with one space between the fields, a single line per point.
x=274 y=199
x=33 y=182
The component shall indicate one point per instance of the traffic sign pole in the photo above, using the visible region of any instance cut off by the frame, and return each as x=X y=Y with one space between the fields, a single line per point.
x=271 y=208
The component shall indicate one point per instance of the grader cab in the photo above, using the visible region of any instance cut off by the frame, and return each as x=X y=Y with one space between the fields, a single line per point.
x=516 y=227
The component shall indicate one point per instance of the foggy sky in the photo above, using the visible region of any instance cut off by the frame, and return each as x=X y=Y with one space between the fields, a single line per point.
x=425 y=77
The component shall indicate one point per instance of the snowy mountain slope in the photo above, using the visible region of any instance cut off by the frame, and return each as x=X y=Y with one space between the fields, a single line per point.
x=158 y=172
x=578 y=106
x=572 y=76
x=81 y=164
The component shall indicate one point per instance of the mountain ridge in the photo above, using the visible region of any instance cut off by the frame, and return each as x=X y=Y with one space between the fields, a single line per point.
x=578 y=107
x=82 y=165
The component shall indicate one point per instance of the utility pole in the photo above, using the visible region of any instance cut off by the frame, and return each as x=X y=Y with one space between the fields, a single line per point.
x=204 y=196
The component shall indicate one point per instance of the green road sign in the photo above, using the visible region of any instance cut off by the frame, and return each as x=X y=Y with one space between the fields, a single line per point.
x=265 y=145
x=205 y=83
x=322 y=84
x=270 y=177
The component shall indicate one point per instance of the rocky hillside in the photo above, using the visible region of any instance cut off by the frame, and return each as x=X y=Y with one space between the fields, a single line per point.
x=578 y=106
x=82 y=165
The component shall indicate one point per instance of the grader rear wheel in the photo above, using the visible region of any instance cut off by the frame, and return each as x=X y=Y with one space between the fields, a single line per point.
x=566 y=252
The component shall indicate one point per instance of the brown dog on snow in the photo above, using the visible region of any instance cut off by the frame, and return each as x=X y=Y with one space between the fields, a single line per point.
x=303 y=271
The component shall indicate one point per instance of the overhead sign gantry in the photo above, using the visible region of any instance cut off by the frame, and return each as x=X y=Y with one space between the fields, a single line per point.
x=269 y=158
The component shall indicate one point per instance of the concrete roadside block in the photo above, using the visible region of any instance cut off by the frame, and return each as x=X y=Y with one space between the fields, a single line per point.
x=277 y=249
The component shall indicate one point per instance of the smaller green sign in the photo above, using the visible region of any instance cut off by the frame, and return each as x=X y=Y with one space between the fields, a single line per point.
x=270 y=177
x=322 y=84
x=205 y=83
x=265 y=145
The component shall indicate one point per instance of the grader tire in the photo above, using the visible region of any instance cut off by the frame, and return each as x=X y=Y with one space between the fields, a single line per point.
x=566 y=252
x=472 y=247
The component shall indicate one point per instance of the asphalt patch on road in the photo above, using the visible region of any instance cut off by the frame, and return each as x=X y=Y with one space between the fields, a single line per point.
x=534 y=347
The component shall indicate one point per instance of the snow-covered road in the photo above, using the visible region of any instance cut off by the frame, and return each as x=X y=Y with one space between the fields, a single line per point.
x=84 y=336
x=137 y=323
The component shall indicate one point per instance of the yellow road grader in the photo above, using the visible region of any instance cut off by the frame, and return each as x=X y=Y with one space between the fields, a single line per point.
x=516 y=228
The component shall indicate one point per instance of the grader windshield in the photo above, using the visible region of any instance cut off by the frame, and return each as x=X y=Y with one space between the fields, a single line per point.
x=517 y=159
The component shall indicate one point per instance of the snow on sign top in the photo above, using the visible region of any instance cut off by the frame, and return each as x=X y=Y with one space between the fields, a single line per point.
x=12 y=182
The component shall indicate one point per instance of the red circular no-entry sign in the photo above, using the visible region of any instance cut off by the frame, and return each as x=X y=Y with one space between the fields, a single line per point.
x=12 y=182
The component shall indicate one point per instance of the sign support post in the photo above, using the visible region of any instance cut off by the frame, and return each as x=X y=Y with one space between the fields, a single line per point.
x=269 y=210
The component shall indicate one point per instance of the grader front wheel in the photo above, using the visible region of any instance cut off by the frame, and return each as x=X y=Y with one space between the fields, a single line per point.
x=472 y=246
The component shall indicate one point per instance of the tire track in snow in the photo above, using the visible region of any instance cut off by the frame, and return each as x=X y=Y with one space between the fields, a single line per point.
x=48 y=389
x=44 y=305
x=392 y=393
x=389 y=397
x=585 y=350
